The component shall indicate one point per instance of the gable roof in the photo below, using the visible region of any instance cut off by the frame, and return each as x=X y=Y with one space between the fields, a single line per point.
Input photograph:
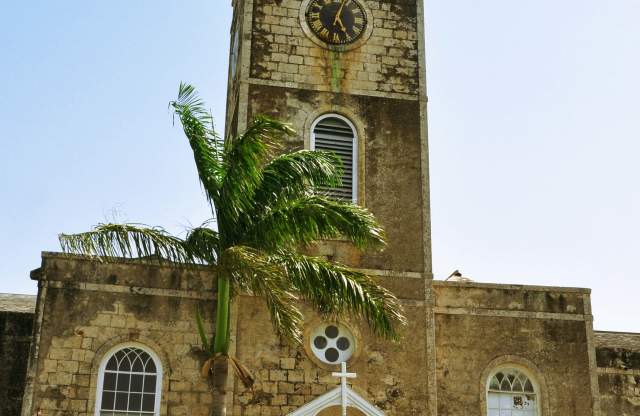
x=334 y=398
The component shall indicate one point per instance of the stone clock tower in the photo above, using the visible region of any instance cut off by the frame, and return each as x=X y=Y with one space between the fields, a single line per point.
x=349 y=75
x=328 y=67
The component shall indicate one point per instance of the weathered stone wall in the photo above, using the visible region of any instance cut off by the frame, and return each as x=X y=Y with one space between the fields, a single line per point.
x=379 y=86
x=15 y=338
x=543 y=329
x=89 y=307
x=390 y=173
x=618 y=357
x=386 y=62
x=390 y=375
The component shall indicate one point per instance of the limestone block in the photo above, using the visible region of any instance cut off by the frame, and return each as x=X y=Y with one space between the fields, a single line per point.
x=288 y=364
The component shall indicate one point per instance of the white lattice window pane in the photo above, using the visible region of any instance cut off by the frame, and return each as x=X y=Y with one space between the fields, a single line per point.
x=506 y=401
x=512 y=393
x=494 y=412
x=493 y=401
x=529 y=402
x=129 y=384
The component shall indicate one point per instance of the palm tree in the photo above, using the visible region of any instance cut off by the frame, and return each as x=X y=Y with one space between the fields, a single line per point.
x=267 y=205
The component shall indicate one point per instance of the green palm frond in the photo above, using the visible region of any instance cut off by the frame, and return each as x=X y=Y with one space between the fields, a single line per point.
x=207 y=146
x=127 y=240
x=290 y=175
x=334 y=290
x=265 y=205
x=204 y=243
x=253 y=273
x=314 y=217
x=244 y=158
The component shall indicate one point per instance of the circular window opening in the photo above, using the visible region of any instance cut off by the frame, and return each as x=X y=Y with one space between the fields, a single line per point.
x=332 y=343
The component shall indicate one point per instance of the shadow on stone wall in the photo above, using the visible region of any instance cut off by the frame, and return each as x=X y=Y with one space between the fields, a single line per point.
x=15 y=338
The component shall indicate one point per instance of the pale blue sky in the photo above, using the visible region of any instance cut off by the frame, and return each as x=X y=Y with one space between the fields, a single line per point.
x=534 y=133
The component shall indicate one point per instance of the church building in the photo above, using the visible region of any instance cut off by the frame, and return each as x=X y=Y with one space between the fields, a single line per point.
x=120 y=338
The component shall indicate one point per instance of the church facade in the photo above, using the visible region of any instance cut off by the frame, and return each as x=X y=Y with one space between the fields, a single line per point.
x=120 y=338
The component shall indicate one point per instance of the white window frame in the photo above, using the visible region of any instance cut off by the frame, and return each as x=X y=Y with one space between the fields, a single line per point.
x=103 y=365
x=354 y=147
x=536 y=386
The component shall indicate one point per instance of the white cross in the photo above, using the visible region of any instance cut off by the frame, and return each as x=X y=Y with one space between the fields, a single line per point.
x=343 y=384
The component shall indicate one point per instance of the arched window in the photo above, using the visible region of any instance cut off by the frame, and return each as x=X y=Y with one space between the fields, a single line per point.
x=129 y=383
x=335 y=133
x=511 y=393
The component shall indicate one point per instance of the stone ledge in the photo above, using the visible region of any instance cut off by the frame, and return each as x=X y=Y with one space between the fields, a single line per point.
x=618 y=371
x=133 y=290
x=10 y=302
x=508 y=313
x=625 y=340
x=322 y=88
x=508 y=286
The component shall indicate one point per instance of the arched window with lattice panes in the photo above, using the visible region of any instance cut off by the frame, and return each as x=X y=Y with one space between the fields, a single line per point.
x=129 y=383
x=337 y=134
x=511 y=392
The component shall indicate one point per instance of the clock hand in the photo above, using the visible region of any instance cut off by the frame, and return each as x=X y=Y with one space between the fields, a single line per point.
x=339 y=13
x=344 y=29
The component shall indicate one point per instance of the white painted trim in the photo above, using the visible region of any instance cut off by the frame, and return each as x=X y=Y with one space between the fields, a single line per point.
x=354 y=149
x=334 y=398
x=103 y=364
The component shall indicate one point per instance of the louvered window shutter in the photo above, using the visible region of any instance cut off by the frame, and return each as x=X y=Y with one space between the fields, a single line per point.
x=333 y=134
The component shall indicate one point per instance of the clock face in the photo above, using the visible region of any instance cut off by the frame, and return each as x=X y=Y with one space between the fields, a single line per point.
x=336 y=22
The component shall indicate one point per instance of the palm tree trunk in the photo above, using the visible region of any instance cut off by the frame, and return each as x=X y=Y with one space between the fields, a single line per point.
x=220 y=372
x=220 y=368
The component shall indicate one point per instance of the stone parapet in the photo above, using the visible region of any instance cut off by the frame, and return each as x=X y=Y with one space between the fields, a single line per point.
x=84 y=271
x=516 y=300
x=10 y=302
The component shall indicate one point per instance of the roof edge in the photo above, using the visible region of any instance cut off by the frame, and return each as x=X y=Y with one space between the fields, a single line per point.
x=511 y=286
